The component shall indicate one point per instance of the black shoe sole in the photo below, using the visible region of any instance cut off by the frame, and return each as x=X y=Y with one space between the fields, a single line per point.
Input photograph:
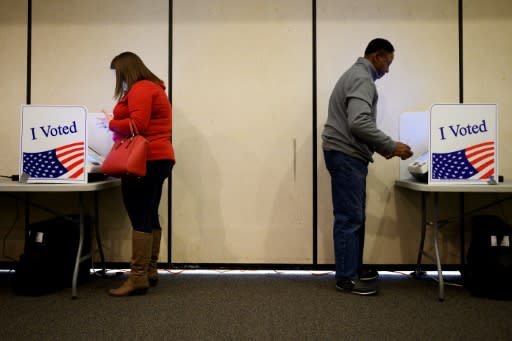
x=365 y=293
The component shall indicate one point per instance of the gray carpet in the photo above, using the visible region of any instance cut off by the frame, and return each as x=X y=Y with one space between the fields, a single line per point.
x=189 y=306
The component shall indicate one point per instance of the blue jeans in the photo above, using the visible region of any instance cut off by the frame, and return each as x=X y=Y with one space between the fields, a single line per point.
x=348 y=186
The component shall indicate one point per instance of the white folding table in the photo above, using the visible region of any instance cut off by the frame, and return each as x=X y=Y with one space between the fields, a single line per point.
x=8 y=186
x=434 y=190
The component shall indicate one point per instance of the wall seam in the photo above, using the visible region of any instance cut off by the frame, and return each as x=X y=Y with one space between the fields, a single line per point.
x=315 y=144
x=29 y=52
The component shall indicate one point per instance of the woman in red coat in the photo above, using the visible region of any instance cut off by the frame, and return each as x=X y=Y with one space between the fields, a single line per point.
x=142 y=100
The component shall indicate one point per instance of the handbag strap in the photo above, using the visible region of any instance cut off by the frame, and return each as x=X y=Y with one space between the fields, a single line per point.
x=133 y=128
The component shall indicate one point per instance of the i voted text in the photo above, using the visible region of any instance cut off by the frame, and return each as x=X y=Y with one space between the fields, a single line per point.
x=459 y=130
x=50 y=130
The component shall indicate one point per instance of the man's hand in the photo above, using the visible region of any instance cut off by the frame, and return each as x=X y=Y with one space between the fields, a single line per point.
x=402 y=150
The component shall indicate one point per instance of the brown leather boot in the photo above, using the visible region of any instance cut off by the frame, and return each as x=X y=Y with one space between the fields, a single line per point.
x=153 y=262
x=137 y=283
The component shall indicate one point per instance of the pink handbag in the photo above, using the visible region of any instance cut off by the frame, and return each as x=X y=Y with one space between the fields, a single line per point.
x=127 y=156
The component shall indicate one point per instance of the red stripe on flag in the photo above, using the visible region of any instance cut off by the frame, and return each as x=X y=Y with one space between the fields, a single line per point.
x=73 y=165
x=70 y=151
x=77 y=173
x=489 y=143
x=72 y=157
x=484 y=165
x=480 y=151
x=70 y=145
x=488 y=174
x=485 y=156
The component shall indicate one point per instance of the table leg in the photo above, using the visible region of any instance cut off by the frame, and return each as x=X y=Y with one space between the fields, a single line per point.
x=435 y=227
x=80 y=246
x=27 y=219
x=462 y=238
x=97 y=233
x=418 y=271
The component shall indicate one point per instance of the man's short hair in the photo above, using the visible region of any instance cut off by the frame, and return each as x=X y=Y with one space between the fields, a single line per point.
x=379 y=44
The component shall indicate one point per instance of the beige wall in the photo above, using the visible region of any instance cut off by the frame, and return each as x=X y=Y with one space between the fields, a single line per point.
x=487 y=62
x=242 y=100
x=488 y=78
x=13 y=57
x=242 y=118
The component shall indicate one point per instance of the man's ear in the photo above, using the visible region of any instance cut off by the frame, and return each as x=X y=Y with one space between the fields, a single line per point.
x=380 y=54
x=372 y=57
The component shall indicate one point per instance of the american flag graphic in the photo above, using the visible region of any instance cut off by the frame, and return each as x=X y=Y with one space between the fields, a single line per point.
x=64 y=162
x=474 y=162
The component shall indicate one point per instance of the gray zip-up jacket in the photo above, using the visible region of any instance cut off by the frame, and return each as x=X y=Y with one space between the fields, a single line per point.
x=351 y=126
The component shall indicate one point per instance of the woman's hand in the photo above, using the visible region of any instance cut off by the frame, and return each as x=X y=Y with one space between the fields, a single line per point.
x=105 y=120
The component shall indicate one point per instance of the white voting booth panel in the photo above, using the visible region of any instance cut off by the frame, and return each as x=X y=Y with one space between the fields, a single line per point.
x=414 y=131
x=463 y=143
x=459 y=141
x=53 y=144
x=99 y=142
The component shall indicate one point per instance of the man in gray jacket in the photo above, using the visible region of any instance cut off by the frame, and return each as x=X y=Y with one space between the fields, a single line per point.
x=350 y=137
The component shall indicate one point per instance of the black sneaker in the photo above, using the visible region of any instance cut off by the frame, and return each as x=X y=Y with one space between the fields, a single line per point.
x=368 y=275
x=356 y=286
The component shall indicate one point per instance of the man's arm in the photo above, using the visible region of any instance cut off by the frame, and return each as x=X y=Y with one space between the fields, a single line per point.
x=363 y=126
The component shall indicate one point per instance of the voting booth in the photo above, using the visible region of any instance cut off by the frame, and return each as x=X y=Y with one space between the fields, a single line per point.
x=452 y=143
x=53 y=144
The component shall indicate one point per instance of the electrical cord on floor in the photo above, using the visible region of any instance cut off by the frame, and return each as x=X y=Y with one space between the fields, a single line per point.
x=101 y=272
x=436 y=279
x=14 y=177
x=97 y=272
x=423 y=275
x=410 y=275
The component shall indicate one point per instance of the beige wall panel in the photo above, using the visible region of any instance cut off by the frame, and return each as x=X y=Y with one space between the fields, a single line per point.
x=487 y=70
x=488 y=79
x=242 y=104
x=73 y=44
x=425 y=71
x=13 y=54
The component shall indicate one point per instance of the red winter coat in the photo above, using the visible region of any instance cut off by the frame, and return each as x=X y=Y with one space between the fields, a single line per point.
x=147 y=104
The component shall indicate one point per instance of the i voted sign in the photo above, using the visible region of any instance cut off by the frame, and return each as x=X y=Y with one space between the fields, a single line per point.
x=53 y=144
x=463 y=143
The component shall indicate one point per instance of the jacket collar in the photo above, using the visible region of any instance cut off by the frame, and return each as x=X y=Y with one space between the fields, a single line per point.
x=368 y=66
